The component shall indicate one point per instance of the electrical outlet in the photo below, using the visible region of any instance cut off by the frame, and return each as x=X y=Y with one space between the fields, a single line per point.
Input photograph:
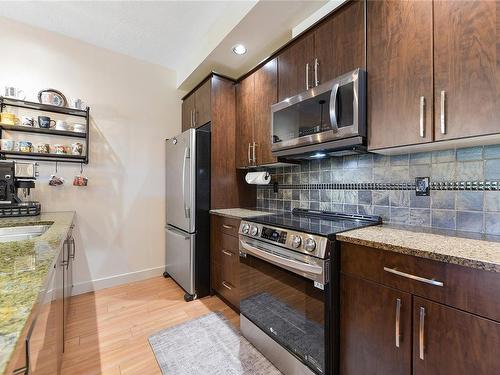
x=422 y=186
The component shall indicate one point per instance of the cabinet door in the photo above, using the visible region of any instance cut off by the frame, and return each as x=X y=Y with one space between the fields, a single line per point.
x=466 y=68
x=187 y=112
x=399 y=73
x=371 y=317
x=450 y=341
x=69 y=247
x=46 y=340
x=245 y=121
x=203 y=108
x=266 y=94
x=339 y=43
x=292 y=67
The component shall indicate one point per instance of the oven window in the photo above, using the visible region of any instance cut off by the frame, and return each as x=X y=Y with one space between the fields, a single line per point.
x=287 y=307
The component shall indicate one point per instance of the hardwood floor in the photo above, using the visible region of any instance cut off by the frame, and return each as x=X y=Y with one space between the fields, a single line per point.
x=108 y=330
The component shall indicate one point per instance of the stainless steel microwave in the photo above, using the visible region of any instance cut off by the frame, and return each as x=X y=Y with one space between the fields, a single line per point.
x=326 y=119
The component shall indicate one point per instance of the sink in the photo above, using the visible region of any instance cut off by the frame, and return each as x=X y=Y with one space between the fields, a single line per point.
x=20 y=233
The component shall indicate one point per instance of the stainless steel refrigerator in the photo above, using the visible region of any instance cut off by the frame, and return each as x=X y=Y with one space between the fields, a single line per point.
x=187 y=206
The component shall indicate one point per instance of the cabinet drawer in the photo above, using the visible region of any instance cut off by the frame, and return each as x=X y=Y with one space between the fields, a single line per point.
x=224 y=287
x=394 y=270
x=465 y=288
x=226 y=256
x=227 y=225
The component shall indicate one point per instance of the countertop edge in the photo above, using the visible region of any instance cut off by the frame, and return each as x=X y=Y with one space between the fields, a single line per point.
x=230 y=213
x=432 y=255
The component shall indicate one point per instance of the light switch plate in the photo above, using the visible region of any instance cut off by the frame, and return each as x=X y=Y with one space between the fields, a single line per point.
x=422 y=186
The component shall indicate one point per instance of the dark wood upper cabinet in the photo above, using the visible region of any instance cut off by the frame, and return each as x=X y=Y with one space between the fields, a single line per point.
x=466 y=68
x=254 y=96
x=335 y=47
x=371 y=317
x=196 y=108
x=245 y=121
x=266 y=94
x=187 y=112
x=450 y=341
x=203 y=104
x=400 y=89
x=295 y=65
x=339 y=42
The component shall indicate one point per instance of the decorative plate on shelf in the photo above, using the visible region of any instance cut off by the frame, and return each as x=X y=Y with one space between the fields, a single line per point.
x=52 y=97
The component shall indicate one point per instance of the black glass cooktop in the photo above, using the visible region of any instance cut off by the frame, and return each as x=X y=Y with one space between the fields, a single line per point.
x=322 y=223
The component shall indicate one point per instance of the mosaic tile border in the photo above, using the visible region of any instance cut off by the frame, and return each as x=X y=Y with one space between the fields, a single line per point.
x=447 y=185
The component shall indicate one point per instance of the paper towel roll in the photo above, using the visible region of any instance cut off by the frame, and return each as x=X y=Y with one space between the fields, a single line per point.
x=258 y=178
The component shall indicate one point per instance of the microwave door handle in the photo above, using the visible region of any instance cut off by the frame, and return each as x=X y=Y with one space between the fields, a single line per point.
x=333 y=108
x=280 y=261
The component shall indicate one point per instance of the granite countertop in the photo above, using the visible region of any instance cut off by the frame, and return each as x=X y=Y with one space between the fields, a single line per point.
x=24 y=267
x=239 y=213
x=468 y=250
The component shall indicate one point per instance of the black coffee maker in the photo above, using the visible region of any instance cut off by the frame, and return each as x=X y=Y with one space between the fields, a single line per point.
x=15 y=176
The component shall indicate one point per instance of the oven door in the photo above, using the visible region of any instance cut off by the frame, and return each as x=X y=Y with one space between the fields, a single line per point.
x=331 y=111
x=286 y=295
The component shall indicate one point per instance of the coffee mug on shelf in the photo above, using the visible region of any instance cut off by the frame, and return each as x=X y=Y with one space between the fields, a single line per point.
x=77 y=149
x=8 y=118
x=79 y=128
x=27 y=121
x=14 y=92
x=25 y=146
x=61 y=125
x=78 y=103
x=7 y=144
x=45 y=122
x=43 y=148
x=60 y=149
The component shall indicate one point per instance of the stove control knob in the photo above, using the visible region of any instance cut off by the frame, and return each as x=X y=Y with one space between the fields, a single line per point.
x=296 y=241
x=254 y=230
x=310 y=244
x=245 y=228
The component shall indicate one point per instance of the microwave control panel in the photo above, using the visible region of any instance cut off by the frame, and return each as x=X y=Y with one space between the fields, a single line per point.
x=273 y=235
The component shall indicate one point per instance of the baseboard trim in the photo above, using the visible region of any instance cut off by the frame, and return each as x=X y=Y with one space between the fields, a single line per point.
x=124 y=278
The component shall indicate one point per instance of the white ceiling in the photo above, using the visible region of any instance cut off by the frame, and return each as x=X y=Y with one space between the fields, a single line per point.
x=189 y=37
x=263 y=30
x=174 y=34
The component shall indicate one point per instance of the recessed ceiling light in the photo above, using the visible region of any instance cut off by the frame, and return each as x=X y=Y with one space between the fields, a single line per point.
x=239 y=49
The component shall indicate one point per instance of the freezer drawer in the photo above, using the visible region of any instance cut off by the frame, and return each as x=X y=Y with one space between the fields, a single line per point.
x=180 y=247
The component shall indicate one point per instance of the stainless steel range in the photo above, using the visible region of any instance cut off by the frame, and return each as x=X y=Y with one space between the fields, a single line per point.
x=289 y=287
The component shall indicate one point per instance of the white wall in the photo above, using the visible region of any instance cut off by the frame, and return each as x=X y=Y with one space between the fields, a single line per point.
x=134 y=107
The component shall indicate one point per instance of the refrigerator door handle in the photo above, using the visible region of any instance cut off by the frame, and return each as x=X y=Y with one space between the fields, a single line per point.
x=178 y=232
x=186 y=208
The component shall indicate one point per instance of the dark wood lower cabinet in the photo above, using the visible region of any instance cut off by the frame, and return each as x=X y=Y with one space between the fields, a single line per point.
x=224 y=259
x=373 y=319
x=448 y=315
x=449 y=341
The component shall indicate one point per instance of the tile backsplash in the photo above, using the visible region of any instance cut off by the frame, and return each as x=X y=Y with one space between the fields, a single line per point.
x=465 y=188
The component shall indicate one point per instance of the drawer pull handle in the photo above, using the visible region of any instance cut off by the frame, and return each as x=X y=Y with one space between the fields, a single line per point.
x=421 y=332
x=227 y=226
x=227 y=285
x=228 y=253
x=398 y=320
x=413 y=277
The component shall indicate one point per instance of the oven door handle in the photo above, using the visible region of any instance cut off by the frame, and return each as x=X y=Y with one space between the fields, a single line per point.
x=280 y=261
